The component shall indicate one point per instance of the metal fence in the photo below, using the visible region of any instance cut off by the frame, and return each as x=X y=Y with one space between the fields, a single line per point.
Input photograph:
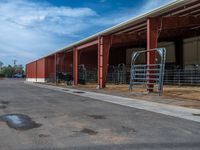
x=182 y=77
x=120 y=74
x=171 y=76
x=87 y=74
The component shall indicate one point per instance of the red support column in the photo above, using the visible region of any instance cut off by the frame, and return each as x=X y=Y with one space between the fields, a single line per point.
x=103 y=57
x=55 y=68
x=75 y=65
x=152 y=42
x=36 y=71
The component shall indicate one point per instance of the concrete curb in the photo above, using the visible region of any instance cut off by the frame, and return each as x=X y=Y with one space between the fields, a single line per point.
x=175 y=111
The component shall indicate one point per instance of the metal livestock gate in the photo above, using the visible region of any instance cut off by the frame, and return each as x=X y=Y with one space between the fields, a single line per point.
x=148 y=76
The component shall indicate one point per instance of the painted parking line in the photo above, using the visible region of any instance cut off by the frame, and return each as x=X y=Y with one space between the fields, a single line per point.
x=175 y=111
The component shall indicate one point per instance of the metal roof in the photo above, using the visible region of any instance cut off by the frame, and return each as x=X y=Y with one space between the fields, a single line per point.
x=165 y=9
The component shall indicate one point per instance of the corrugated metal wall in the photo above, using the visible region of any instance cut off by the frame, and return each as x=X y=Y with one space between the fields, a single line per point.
x=50 y=67
x=191 y=47
x=41 y=68
x=31 y=70
x=36 y=69
x=46 y=66
x=170 y=50
x=129 y=53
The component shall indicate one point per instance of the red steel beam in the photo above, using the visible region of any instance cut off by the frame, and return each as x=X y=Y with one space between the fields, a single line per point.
x=95 y=42
x=183 y=10
x=121 y=38
x=176 y=11
x=75 y=65
x=139 y=30
x=103 y=57
x=55 y=67
x=134 y=28
x=127 y=38
x=174 y=22
x=178 y=22
x=126 y=28
x=190 y=11
x=165 y=23
x=166 y=14
x=185 y=7
x=152 y=43
x=36 y=71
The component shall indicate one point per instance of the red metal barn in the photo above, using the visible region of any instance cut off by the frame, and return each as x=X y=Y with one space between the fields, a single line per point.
x=175 y=26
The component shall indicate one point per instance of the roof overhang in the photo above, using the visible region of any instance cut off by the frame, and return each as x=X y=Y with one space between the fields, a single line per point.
x=169 y=9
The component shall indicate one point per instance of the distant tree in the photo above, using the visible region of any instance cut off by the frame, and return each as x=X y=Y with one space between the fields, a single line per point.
x=8 y=71
x=19 y=69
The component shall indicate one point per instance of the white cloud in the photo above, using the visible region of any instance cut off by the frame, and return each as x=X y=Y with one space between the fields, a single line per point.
x=29 y=30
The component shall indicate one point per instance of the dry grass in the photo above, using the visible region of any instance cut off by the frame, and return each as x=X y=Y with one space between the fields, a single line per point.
x=187 y=96
x=185 y=92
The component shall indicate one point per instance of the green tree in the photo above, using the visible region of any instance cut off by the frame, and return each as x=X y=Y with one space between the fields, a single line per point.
x=19 y=69
x=8 y=71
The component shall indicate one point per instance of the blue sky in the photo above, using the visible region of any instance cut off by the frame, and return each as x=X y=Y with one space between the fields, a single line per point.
x=33 y=28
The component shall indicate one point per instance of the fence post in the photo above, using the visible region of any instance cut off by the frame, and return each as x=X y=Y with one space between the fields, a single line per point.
x=179 y=77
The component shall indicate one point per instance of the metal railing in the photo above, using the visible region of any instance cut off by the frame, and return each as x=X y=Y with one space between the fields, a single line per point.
x=87 y=74
x=182 y=77
x=120 y=74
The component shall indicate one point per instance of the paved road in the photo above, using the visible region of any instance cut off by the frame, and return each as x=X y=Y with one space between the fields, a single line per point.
x=72 y=122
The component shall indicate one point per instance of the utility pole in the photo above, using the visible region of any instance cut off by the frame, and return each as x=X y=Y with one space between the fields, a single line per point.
x=14 y=62
x=1 y=65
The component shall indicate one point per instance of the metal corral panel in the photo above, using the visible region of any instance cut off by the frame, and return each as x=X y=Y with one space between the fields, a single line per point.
x=41 y=68
x=31 y=70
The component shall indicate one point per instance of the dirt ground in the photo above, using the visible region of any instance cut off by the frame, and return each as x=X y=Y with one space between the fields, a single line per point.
x=187 y=96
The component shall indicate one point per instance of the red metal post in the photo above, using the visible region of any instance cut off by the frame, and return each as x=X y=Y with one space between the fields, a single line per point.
x=152 y=43
x=55 y=68
x=36 y=74
x=103 y=57
x=75 y=65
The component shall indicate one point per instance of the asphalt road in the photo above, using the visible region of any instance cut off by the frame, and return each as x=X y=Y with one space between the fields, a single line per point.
x=70 y=122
